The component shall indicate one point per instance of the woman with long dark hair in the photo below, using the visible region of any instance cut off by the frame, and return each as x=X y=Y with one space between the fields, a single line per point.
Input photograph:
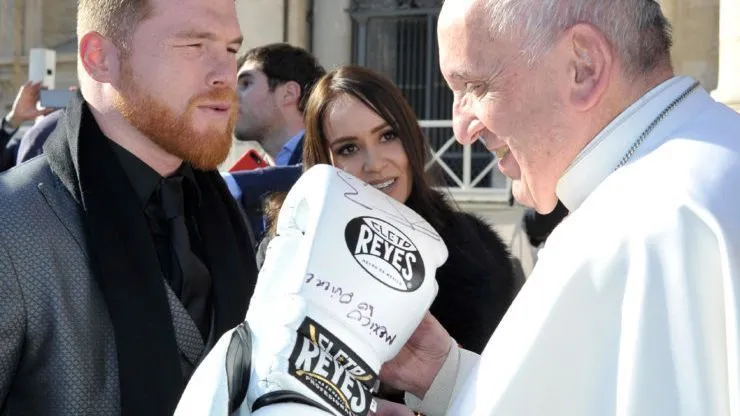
x=359 y=121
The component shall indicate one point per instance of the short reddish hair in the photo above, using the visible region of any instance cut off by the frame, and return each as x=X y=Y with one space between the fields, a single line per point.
x=114 y=19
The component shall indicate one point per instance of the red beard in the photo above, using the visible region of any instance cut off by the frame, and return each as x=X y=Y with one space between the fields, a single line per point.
x=175 y=133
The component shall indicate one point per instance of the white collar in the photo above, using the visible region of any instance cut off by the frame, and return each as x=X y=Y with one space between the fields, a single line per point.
x=600 y=157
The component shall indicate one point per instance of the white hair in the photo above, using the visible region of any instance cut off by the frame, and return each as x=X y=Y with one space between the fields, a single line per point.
x=637 y=29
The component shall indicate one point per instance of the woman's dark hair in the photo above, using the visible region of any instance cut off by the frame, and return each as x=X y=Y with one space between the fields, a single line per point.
x=381 y=96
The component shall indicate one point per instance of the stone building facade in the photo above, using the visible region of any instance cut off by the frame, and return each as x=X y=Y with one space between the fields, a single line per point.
x=706 y=33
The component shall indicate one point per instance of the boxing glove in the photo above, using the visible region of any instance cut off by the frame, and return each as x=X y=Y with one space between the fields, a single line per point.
x=346 y=280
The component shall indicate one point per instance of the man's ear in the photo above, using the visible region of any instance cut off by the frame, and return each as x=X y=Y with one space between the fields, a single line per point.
x=290 y=93
x=590 y=65
x=99 y=57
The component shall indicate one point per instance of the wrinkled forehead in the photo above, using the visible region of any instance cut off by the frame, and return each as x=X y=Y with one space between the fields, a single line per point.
x=465 y=44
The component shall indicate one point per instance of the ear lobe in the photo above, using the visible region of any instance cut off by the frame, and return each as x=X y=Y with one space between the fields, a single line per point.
x=591 y=60
x=98 y=56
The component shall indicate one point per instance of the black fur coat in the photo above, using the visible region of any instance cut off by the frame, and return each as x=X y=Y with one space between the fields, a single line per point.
x=476 y=284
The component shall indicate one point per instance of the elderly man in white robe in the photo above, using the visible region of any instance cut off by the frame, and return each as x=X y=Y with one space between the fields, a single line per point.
x=632 y=308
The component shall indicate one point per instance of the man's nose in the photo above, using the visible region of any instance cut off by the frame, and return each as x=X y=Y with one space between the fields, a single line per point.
x=465 y=124
x=223 y=72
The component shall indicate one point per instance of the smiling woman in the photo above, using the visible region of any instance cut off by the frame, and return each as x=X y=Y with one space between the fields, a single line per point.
x=362 y=143
x=360 y=122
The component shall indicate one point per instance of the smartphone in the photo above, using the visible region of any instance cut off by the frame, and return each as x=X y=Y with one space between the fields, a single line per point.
x=249 y=160
x=55 y=98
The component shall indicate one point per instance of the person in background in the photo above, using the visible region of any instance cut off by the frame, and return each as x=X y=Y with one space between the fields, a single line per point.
x=32 y=142
x=25 y=108
x=273 y=84
x=358 y=121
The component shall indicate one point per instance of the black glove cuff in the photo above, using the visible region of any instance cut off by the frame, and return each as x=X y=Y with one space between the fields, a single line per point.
x=285 y=396
x=238 y=365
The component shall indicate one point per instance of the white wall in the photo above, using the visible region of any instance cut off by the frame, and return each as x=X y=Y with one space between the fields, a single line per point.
x=261 y=21
x=332 y=32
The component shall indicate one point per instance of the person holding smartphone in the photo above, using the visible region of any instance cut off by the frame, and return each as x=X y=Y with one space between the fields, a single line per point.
x=24 y=109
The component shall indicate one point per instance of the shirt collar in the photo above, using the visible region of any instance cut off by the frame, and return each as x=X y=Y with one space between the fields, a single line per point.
x=289 y=148
x=186 y=170
x=600 y=157
x=145 y=180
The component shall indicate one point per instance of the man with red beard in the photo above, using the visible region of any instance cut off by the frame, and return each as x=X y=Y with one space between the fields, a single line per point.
x=122 y=254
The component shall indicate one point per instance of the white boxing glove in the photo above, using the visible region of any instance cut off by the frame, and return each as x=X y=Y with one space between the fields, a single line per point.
x=346 y=281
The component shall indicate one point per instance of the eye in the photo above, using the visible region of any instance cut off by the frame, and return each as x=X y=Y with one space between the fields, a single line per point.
x=388 y=136
x=192 y=50
x=233 y=51
x=347 y=149
x=475 y=88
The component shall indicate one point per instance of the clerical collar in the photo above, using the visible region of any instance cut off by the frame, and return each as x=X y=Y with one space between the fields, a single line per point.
x=600 y=157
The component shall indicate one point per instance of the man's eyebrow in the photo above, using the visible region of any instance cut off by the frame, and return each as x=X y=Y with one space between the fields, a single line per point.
x=245 y=75
x=198 y=34
x=460 y=75
x=456 y=77
x=494 y=71
x=238 y=41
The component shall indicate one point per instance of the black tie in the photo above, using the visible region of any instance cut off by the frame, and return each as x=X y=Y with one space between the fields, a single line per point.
x=195 y=278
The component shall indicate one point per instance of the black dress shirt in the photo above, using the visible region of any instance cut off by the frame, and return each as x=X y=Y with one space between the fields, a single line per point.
x=146 y=183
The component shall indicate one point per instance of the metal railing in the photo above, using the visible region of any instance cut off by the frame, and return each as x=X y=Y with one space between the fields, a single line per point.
x=397 y=38
x=476 y=177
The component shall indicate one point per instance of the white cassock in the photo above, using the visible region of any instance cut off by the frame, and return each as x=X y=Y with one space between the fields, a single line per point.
x=632 y=308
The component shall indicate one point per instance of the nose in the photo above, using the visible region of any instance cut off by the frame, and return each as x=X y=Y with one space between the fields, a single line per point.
x=374 y=160
x=465 y=124
x=223 y=71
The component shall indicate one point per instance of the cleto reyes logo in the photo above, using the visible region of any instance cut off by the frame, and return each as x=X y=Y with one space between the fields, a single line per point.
x=330 y=369
x=385 y=253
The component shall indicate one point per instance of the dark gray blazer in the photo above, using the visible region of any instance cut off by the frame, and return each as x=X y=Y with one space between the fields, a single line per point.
x=57 y=346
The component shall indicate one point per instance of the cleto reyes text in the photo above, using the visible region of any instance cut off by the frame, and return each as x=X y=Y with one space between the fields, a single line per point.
x=385 y=244
x=329 y=368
